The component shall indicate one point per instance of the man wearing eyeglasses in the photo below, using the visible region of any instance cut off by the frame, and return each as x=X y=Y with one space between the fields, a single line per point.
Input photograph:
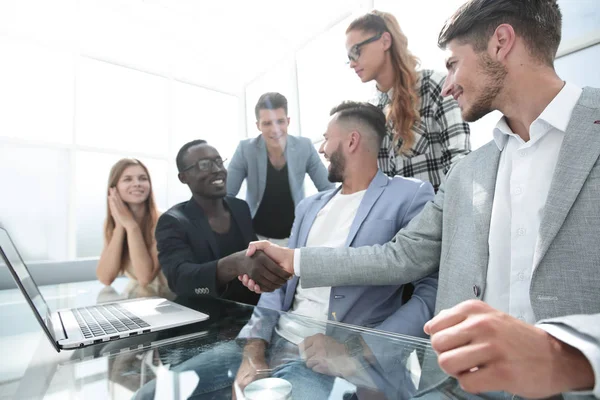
x=274 y=166
x=201 y=242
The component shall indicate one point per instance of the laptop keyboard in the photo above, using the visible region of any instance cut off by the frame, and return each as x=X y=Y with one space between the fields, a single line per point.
x=106 y=320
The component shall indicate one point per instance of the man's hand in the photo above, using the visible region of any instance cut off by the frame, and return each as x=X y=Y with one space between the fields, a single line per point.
x=264 y=271
x=254 y=366
x=487 y=350
x=325 y=355
x=281 y=255
x=260 y=268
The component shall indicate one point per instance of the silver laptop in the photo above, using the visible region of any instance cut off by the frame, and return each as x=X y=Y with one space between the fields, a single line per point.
x=84 y=326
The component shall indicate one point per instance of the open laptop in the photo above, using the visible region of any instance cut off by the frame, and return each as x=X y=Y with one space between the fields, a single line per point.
x=84 y=326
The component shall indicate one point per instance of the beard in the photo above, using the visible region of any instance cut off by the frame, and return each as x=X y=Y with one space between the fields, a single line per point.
x=337 y=164
x=495 y=74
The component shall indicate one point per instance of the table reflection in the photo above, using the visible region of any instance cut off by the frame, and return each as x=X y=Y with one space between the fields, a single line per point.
x=202 y=360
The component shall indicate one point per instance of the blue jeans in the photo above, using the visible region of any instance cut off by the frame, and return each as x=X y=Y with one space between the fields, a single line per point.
x=217 y=368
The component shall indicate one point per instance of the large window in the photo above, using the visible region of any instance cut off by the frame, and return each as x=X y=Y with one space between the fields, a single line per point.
x=71 y=105
x=34 y=205
x=36 y=99
x=120 y=108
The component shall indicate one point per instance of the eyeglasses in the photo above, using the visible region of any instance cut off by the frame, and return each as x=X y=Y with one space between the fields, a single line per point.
x=354 y=52
x=206 y=164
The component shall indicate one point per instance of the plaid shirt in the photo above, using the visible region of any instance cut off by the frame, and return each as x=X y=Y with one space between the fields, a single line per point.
x=441 y=136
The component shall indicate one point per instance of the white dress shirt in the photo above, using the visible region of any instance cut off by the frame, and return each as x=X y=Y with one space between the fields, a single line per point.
x=525 y=173
x=330 y=228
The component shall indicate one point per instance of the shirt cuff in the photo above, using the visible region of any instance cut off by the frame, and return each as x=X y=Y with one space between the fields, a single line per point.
x=587 y=346
x=297 y=262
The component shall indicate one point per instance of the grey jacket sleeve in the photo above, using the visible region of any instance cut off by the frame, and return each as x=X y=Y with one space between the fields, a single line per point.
x=412 y=254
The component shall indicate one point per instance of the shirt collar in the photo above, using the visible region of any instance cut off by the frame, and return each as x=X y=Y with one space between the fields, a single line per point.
x=557 y=114
x=387 y=96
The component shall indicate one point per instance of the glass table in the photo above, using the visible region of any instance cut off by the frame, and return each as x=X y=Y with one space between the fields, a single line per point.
x=202 y=360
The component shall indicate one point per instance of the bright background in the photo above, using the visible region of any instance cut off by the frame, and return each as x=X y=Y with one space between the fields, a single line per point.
x=86 y=82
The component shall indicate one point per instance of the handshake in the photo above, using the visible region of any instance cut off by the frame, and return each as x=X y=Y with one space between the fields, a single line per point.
x=264 y=267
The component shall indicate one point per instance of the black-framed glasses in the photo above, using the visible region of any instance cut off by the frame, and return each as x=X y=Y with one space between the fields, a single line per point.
x=206 y=164
x=354 y=52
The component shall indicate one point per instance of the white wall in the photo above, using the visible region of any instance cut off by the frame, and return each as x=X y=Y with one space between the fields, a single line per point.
x=581 y=68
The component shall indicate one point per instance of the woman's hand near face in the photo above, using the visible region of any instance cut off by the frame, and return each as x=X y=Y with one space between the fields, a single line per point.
x=119 y=210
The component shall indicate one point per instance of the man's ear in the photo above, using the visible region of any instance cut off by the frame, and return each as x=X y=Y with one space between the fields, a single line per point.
x=354 y=139
x=257 y=125
x=502 y=42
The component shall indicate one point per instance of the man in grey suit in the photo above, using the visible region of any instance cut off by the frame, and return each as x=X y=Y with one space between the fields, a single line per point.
x=368 y=208
x=514 y=230
x=274 y=165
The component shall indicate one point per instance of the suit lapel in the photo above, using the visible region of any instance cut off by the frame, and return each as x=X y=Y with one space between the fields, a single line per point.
x=485 y=172
x=375 y=189
x=261 y=165
x=578 y=154
x=293 y=161
x=290 y=293
x=198 y=218
x=290 y=155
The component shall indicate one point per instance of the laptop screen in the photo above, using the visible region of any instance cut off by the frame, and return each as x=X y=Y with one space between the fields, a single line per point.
x=20 y=273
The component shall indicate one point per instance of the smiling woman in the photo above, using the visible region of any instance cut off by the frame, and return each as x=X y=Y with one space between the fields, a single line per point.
x=129 y=245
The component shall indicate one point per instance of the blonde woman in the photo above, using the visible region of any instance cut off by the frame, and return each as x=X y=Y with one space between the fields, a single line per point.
x=426 y=132
x=129 y=243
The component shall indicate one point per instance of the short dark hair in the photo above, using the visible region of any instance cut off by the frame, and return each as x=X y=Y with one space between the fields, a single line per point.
x=362 y=113
x=271 y=101
x=538 y=22
x=183 y=150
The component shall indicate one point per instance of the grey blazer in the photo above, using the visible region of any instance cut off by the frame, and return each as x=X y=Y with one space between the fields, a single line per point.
x=451 y=235
x=250 y=162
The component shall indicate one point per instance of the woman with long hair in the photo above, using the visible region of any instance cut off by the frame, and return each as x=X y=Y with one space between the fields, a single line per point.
x=426 y=132
x=129 y=243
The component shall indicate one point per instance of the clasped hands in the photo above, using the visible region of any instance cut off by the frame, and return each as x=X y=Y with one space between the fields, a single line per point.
x=120 y=210
x=266 y=267
x=271 y=270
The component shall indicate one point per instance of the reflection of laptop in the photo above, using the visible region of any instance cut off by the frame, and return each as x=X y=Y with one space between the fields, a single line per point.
x=83 y=326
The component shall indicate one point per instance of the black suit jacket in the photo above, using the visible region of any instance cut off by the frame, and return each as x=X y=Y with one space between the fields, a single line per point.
x=188 y=252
